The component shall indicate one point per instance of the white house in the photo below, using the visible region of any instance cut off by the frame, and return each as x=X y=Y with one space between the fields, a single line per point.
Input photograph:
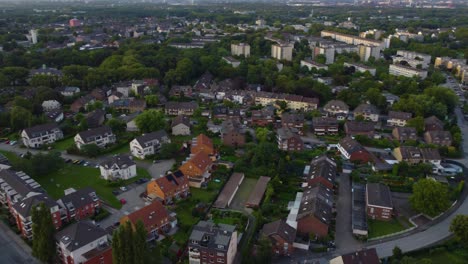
x=118 y=167
x=181 y=126
x=148 y=144
x=37 y=136
x=70 y=91
x=100 y=136
x=50 y=105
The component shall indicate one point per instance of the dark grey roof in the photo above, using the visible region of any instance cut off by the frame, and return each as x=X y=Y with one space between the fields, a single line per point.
x=357 y=126
x=211 y=235
x=4 y=160
x=292 y=118
x=281 y=228
x=317 y=200
x=79 y=234
x=79 y=198
x=181 y=105
x=229 y=190
x=366 y=109
x=91 y=134
x=364 y=256
x=119 y=160
x=40 y=130
x=336 y=105
x=19 y=182
x=399 y=115
x=24 y=207
x=358 y=213
x=321 y=166
x=180 y=119
x=231 y=125
x=146 y=140
x=350 y=145
x=379 y=194
x=94 y=118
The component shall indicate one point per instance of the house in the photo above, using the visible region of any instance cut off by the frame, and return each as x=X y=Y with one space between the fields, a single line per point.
x=119 y=167
x=204 y=82
x=403 y=134
x=415 y=155
x=155 y=218
x=379 y=204
x=223 y=112
x=180 y=108
x=101 y=94
x=232 y=133
x=351 y=150
x=50 y=105
x=55 y=115
x=101 y=136
x=263 y=117
x=181 y=91
x=96 y=118
x=230 y=189
x=129 y=105
x=367 y=256
x=212 y=243
x=115 y=96
x=311 y=212
x=81 y=103
x=368 y=111
x=37 y=136
x=197 y=168
x=288 y=141
x=202 y=143
x=437 y=137
x=83 y=242
x=172 y=187
x=80 y=204
x=358 y=128
x=433 y=123
x=148 y=144
x=321 y=170
x=258 y=192
x=325 y=126
x=22 y=212
x=281 y=235
x=398 y=118
x=181 y=126
x=336 y=108
x=69 y=91
x=293 y=121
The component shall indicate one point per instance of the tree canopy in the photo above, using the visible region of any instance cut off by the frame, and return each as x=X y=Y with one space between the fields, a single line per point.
x=43 y=229
x=150 y=120
x=429 y=197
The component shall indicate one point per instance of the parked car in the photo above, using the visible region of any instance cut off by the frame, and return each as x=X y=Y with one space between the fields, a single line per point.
x=12 y=143
x=68 y=160
x=115 y=192
x=123 y=188
x=123 y=201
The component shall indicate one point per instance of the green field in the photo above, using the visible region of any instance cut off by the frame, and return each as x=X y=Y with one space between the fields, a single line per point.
x=382 y=228
x=64 y=144
x=74 y=176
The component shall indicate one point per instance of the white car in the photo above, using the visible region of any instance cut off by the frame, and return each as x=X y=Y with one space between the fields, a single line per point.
x=13 y=142
x=123 y=188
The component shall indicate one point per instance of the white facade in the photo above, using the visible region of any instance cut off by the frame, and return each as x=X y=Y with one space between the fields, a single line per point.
x=77 y=254
x=400 y=70
x=115 y=172
x=180 y=130
x=241 y=49
x=282 y=52
x=40 y=139
x=50 y=105
x=100 y=140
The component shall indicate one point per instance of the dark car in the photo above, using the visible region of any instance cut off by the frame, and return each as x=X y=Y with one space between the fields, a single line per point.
x=115 y=192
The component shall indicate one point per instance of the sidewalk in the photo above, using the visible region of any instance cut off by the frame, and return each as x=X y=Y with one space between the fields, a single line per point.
x=12 y=248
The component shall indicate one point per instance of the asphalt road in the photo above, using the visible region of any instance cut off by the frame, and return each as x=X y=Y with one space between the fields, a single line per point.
x=12 y=248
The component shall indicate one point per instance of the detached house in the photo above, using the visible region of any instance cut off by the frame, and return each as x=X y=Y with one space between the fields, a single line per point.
x=148 y=144
x=368 y=111
x=101 y=136
x=197 y=168
x=155 y=218
x=288 y=141
x=83 y=242
x=180 y=108
x=398 y=118
x=433 y=124
x=356 y=128
x=119 y=167
x=173 y=186
x=69 y=91
x=281 y=235
x=403 y=134
x=37 y=136
x=336 y=108
x=181 y=126
x=437 y=137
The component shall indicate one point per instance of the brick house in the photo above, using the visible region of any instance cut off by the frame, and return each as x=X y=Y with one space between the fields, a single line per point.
x=288 y=140
x=232 y=133
x=294 y=121
x=379 y=204
x=321 y=170
x=281 y=235
x=81 y=103
x=351 y=149
x=325 y=126
x=403 y=134
x=80 y=204
x=357 y=128
x=263 y=117
x=171 y=187
x=437 y=137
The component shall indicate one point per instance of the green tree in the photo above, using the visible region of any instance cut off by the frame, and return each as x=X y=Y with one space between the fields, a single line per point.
x=43 y=229
x=459 y=227
x=90 y=150
x=429 y=197
x=416 y=122
x=150 y=120
x=152 y=100
x=397 y=253
x=20 y=118
x=139 y=244
x=264 y=251
x=129 y=244
x=262 y=133
x=169 y=150
x=118 y=126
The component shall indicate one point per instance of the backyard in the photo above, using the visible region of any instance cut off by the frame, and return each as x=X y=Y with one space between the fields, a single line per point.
x=74 y=176
x=64 y=144
x=382 y=228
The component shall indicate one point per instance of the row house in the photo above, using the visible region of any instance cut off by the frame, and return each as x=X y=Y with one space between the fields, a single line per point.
x=79 y=204
x=129 y=105
x=172 y=187
x=403 y=134
x=433 y=123
x=288 y=140
x=202 y=143
x=281 y=235
x=119 y=167
x=232 y=133
x=336 y=108
x=148 y=144
x=83 y=242
x=101 y=136
x=351 y=150
x=357 y=128
x=325 y=126
x=40 y=135
x=223 y=112
x=181 y=91
x=180 y=126
x=155 y=217
x=440 y=138
x=293 y=121
x=379 y=204
x=212 y=243
x=16 y=186
x=180 y=108
x=321 y=170
x=415 y=155
x=263 y=117
x=368 y=111
x=396 y=118
x=197 y=168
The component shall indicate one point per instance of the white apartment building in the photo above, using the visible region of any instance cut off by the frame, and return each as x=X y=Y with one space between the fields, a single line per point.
x=37 y=136
x=148 y=144
x=400 y=70
x=282 y=51
x=119 y=167
x=241 y=49
x=101 y=136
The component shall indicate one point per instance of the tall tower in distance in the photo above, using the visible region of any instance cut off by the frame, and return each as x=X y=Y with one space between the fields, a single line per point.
x=33 y=33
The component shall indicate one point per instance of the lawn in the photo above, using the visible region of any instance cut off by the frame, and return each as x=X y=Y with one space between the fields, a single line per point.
x=124 y=148
x=12 y=157
x=73 y=176
x=64 y=144
x=382 y=228
x=450 y=252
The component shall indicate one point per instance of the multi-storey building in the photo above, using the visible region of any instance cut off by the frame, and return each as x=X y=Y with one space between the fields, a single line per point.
x=212 y=243
x=148 y=144
x=282 y=51
x=441 y=138
x=401 y=70
x=232 y=133
x=310 y=64
x=241 y=49
x=368 y=111
x=180 y=108
x=101 y=136
x=119 y=167
x=295 y=102
x=361 y=68
x=396 y=118
x=325 y=126
x=288 y=140
x=37 y=136
x=169 y=188
x=79 y=204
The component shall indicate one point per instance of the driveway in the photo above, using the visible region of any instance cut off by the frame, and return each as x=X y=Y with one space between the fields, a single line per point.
x=157 y=170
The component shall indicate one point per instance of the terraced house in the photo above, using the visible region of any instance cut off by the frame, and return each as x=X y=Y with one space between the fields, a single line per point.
x=171 y=187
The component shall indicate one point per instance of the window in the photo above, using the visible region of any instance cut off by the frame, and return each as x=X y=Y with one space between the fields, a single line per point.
x=220 y=260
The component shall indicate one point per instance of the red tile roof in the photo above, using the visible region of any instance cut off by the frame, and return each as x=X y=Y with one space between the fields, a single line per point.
x=152 y=215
